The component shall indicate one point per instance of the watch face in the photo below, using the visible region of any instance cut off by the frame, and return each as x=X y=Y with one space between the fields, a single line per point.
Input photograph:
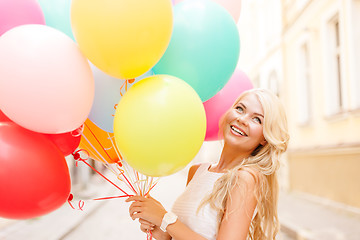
x=169 y=218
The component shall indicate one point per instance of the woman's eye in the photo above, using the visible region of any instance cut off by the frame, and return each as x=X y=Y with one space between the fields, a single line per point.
x=257 y=119
x=240 y=109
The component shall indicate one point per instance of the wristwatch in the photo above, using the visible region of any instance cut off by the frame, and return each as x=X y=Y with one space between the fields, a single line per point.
x=169 y=218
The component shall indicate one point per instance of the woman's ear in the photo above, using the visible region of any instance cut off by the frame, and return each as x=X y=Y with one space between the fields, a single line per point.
x=263 y=143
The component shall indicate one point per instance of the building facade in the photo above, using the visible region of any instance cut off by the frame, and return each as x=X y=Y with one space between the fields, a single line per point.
x=308 y=52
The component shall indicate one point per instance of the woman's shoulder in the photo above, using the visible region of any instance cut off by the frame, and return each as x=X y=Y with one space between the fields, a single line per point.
x=248 y=175
x=193 y=170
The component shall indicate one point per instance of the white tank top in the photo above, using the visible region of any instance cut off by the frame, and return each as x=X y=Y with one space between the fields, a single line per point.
x=204 y=221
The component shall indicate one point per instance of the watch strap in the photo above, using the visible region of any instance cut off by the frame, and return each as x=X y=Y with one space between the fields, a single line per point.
x=169 y=218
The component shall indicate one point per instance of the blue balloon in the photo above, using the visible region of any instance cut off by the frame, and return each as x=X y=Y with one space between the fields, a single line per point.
x=204 y=47
x=108 y=92
x=57 y=15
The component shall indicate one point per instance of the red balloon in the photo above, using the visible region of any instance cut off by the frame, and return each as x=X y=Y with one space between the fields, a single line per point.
x=3 y=117
x=34 y=176
x=66 y=142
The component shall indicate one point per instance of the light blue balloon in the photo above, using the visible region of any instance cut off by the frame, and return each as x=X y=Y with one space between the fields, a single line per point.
x=57 y=15
x=204 y=47
x=108 y=92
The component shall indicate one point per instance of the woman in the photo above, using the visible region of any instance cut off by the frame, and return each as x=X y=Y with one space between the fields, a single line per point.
x=237 y=197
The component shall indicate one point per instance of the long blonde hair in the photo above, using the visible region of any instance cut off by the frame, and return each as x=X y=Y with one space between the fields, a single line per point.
x=264 y=161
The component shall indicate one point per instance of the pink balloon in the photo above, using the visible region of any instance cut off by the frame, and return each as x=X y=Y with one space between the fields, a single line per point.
x=46 y=84
x=216 y=106
x=232 y=6
x=19 y=12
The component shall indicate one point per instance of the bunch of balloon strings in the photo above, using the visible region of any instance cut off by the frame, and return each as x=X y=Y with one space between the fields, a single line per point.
x=135 y=182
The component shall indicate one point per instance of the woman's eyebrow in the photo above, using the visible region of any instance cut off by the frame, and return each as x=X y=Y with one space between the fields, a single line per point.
x=243 y=105
x=259 y=115
x=240 y=103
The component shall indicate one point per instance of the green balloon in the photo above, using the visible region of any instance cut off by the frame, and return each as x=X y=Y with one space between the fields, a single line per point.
x=57 y=15
x=204 y=47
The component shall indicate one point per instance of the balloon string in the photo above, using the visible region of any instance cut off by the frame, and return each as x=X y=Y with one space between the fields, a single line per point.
x=150 y=189
x=120 y=157
x=78 y=158
x=71 y=197
x=122 y=173
x=105 y=198
x=88 y=141
x=99 y=143
x=115 y=148
x=81 y=203
x=126 y=85
x=149 y=235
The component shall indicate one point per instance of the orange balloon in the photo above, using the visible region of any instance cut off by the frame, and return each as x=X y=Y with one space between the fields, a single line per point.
x=99 y=144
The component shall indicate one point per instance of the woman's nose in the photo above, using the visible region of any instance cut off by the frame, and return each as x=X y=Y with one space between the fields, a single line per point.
x=242 y=118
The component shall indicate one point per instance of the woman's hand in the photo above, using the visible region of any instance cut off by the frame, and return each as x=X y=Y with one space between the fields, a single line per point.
x=146 y=208
x=156 y=232
x=146 y=226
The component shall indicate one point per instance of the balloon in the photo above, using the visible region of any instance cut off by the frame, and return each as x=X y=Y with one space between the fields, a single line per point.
x=34 y=175
x=66 y=142
x=159 y=125
x=123 y=38
x=232 y=6
x=19 y=12
x=204 y=47
x=46 y=84
x=57 y=15
x=108 y=92
x=3 y=117
x=216 y=106
x=98 y=143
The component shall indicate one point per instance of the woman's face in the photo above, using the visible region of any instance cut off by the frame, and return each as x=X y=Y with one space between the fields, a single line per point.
x=243 y=124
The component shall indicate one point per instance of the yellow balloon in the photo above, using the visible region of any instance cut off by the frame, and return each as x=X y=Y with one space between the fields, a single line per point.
x=123 y=38
x=159 y=125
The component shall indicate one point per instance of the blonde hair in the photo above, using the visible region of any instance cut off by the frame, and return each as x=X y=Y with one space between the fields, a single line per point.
x=264 y=161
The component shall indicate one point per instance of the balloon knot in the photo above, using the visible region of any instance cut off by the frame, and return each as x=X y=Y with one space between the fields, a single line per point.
x=76 y=156
x=71 y=197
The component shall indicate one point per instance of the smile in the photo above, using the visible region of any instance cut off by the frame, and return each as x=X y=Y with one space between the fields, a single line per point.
x=238 y=131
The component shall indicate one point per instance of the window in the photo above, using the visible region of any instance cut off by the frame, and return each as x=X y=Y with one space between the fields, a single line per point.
x=273 y=83
x=256 y=81
x=333 y=78
x=355 y=34
x=303 y=84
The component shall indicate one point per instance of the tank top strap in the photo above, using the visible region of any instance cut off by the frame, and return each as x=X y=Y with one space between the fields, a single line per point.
x=202 y=168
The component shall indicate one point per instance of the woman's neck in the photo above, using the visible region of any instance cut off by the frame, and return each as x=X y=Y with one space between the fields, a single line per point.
x=229 y=158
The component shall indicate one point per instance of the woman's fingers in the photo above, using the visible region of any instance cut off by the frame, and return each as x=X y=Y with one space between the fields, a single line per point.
x=146 y=225
x=142 y=221
x=134 y=211
x=135 y=198
x=134 y=207
x=145 y=228
x=135 y=204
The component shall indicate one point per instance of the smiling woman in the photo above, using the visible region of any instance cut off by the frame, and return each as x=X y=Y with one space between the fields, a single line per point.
x=242 y=124
x=237 y=197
